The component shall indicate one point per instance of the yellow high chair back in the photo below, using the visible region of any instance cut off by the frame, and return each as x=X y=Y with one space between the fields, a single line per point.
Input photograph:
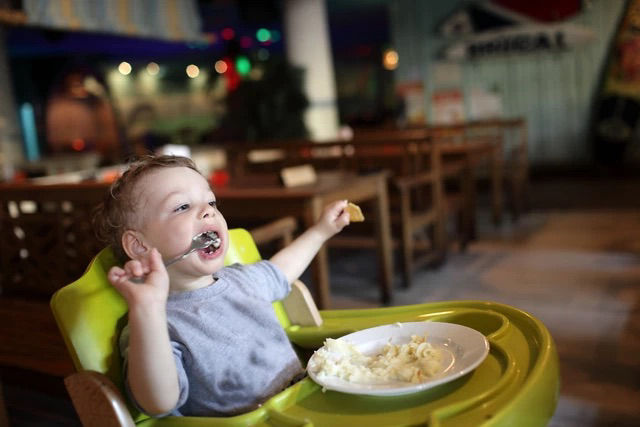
x=517 y=384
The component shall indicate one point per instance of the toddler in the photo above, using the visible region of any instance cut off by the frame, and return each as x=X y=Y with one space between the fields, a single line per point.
x=202 y=339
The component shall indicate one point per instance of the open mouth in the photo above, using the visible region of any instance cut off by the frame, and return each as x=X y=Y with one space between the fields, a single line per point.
x=215 y=242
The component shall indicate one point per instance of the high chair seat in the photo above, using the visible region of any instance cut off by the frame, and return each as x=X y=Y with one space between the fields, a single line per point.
x=517 y=384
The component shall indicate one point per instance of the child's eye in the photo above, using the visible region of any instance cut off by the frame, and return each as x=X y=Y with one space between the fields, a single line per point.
x=213 y=203
x=182 y=207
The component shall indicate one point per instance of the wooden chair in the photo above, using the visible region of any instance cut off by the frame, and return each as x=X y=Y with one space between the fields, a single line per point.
x=421 y=205
x=509 y=137
x=46 y=236
x=516 y=384
x=507 y=155
x=423 y=222
x=516 y=166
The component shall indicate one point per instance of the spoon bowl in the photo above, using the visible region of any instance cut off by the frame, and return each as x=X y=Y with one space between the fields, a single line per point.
x=199 y=241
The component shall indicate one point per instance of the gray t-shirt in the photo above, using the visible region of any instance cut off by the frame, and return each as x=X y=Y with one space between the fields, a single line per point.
x=231 y=352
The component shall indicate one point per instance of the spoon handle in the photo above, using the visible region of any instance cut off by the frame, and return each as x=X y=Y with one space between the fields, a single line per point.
x=172 y=261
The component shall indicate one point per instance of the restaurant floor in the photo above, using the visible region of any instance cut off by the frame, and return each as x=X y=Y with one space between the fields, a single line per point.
x=573 y=261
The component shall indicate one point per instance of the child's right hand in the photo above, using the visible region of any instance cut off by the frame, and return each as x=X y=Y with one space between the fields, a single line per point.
x=155 y=287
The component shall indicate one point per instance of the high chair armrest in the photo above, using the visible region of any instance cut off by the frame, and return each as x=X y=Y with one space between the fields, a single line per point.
x=300 y=307
x=97 y=400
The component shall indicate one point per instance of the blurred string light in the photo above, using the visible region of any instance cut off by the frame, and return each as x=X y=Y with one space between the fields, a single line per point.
x=153 y=68
x=231 y=74
x=256 y=73
x=228 y=33
x=220 y=66
x=243 y=65
x=263 y=35
x=192 y=71
x=263 y=54
x=124 y=68
x=390 y=59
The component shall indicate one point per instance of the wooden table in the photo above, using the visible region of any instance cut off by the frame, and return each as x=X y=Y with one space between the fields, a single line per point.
x=392 y=149
x=263 y=197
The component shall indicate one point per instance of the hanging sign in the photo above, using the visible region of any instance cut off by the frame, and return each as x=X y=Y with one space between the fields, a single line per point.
x=522 y=39
x=487 y=30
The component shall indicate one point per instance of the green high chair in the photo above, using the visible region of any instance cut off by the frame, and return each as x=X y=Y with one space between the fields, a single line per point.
x=516 y=385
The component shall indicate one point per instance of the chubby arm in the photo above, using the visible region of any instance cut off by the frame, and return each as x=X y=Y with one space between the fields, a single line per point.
x=152 y=373
x=295 y=258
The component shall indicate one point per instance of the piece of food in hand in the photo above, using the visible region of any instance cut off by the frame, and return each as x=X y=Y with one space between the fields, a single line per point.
x=355 y=214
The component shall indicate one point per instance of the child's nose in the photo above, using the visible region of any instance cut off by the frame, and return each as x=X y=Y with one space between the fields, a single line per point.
x=208 y=211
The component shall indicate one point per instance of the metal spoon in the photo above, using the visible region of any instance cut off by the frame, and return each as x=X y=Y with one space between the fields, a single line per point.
x=200 y=241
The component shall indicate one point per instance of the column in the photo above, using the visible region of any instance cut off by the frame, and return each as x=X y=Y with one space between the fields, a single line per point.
x=10 y=149
x=308 y=46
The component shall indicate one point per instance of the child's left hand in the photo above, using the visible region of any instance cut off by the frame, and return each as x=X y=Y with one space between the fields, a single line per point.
x=333 y=219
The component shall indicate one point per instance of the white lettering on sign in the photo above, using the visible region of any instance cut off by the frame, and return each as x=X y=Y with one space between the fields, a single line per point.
x=517 y=43
x=520 y=39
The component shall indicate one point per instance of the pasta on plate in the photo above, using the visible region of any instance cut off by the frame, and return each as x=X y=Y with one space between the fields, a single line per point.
x=414 y=362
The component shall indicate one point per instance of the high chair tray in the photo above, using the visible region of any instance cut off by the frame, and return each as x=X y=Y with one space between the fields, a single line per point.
x=516 y=384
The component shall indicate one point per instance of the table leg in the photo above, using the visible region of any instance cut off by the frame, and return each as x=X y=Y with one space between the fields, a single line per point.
x=521 y=175
x=469 y=192
x=496 y=182
x=385 y=249
x=320 y=263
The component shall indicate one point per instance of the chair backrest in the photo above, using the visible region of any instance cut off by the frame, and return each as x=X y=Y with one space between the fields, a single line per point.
x=46 y=236
x=91 y=313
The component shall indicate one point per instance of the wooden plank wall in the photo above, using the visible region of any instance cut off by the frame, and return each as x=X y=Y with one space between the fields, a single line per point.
x=555 y=92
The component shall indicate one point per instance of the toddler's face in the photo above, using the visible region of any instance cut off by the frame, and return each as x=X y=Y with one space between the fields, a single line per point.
x=176 y=204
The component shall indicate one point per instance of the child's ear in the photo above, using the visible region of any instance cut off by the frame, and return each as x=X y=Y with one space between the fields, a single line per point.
x=133 y=244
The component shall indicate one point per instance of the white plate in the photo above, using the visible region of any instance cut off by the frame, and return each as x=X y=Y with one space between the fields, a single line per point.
x=463 y=349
